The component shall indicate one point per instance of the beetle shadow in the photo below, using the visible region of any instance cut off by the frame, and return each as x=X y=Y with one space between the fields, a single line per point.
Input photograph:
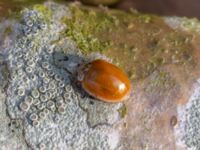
x=71 y=63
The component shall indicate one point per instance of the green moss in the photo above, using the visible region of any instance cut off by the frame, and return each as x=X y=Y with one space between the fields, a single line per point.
x=123 y=111
x=85 y=26
x=191 y=24
x=144 y=40
x=45 y=11
x=145 y=18
x=11 y=8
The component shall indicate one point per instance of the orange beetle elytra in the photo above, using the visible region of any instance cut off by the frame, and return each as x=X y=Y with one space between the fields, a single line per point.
x=104 y=81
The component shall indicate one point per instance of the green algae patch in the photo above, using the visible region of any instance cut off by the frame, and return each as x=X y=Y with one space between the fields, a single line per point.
x=123 y=110
x=191 y=24
x=85 y=25
x=145 y=18
x=11 y=8
x=45 y=11
x=142 y=43
x=137 y=43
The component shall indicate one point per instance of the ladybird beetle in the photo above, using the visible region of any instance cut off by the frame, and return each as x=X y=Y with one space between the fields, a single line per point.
x=104 y=81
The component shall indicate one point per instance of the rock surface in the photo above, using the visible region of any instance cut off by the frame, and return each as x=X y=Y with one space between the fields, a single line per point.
x=43 y=108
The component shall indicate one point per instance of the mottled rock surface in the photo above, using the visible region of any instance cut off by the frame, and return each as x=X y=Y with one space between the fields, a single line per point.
x=40 y=93
x=42 y=106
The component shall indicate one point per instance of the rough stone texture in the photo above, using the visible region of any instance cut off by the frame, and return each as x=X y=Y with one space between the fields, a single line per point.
x=42 y=107
x=187 y=131
x=40 y=94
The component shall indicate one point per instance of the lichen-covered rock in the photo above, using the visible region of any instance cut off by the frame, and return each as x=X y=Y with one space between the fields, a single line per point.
x=43 y=107
x=41 y=94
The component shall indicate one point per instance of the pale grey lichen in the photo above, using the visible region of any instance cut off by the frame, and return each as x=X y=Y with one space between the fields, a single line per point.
x=42 y=115
x=184 y=23
x=61 y=109
x=35 y=93
x=43 y=98
x=46 y=111
x=42 y=146
x=40 y=106
x=33 y=116
x=29 y=100
x=21 y=92
x=24 y=106
x=36 y=102
x=40 y=91
x=188 y=129
x=35 y=123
